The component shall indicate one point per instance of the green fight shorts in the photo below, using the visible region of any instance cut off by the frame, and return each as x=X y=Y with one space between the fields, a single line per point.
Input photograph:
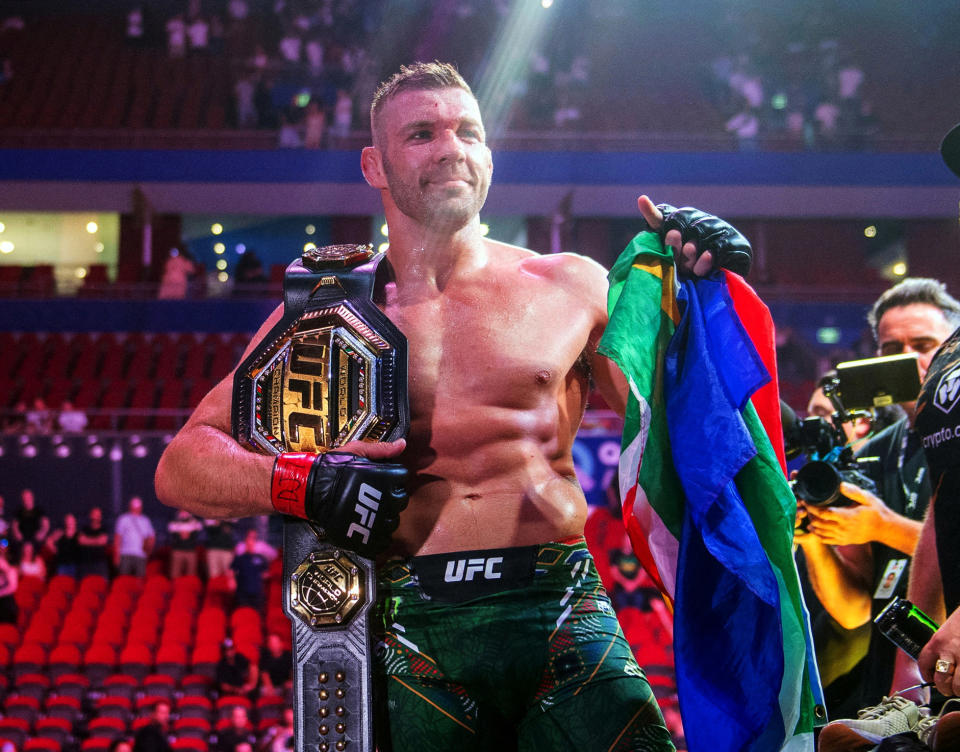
x=507 y=649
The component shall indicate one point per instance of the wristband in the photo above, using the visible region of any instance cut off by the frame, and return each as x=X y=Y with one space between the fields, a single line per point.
x=288 y=486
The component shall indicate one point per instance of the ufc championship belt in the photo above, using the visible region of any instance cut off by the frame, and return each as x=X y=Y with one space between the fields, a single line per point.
x=334 y=369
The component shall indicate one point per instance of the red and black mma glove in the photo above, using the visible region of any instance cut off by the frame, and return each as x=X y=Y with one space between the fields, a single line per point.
x=357 y=502
x=730 y=249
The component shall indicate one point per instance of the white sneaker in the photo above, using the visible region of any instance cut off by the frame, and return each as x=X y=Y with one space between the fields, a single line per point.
x=894 y=715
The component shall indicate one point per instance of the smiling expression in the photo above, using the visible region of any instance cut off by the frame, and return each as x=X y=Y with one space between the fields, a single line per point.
x=435 y=163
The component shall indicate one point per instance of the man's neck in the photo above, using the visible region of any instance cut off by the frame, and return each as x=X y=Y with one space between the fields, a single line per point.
x=426 y=263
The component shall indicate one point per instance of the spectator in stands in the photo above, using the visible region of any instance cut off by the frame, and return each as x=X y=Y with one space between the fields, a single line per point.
x=198 y=34
x=235 y=675
x=31 y=563
x=290 y=46
x=288 y=136
x=135 y=26
x=176 y=36
x=134 y=538
x=121 y=744
x=39 y=418
x=30 y=522
x=314 y=124
x=276 y=667
x=93 y=542
x=64 y=545
x=250 y=565
x=250 y=269
x=221 y=541
x=342 y=114
x=313 y=51
x=9 y=580
x=243 y=92
x=239 y=732
x=184 y=530
x=178 y=270
x=154 y=736
x=745 y=125
x=70 y=419
x=279 y=736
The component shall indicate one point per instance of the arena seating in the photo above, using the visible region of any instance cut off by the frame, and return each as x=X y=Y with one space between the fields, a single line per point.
x=89 y=659
x=121 y=380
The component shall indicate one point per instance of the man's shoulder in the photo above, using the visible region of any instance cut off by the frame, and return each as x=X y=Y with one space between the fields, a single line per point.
x=566 y=269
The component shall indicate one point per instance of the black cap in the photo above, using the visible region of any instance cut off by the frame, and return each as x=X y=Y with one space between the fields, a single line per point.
x=950 y=150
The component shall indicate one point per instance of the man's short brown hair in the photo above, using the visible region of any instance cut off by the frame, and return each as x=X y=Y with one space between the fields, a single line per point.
x=916 y=290
x=415 y=77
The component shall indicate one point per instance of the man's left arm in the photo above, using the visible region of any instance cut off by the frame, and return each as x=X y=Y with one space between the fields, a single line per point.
x=700 y=243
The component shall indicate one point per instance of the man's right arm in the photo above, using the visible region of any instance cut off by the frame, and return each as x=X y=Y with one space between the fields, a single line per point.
x=204 y=470
x=207 y=472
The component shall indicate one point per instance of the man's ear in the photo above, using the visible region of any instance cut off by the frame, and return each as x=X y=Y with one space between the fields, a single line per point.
x=371 y=163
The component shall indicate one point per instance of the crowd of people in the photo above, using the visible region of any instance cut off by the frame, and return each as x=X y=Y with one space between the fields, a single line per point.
x=34 y=546
x=298 y=67
x=38 y=419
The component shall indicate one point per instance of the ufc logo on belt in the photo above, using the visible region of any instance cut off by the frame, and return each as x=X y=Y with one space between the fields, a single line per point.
x=464 y=570
x=367 y=505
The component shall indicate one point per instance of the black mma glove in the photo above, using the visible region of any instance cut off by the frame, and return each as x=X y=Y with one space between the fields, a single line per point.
x=356 y=501
x=730 y=249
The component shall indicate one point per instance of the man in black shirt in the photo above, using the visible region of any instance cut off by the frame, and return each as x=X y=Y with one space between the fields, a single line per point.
x=153 y=737
x=93 y=540
x=31 y=522
x=235 y=675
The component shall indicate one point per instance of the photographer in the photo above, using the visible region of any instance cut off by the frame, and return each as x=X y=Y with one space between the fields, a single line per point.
x=858 y=555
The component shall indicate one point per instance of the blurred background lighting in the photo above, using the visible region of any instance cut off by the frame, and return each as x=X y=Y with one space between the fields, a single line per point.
x=216 y=228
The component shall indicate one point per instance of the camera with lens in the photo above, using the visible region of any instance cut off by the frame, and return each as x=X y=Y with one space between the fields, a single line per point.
x=857 y=388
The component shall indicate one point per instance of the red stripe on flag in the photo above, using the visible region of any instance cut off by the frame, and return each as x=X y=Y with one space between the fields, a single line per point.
x=756 y=319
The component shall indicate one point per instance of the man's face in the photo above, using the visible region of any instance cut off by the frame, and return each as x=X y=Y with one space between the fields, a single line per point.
x=435 y=160
x=26 y=497
x=239 y=717
x=96 y=517
x=915 y=328
x=162 y=713
x=136 y=505
x=821 y=407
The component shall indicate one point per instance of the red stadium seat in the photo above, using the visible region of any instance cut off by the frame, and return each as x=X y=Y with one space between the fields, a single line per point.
x=64 y=659
x=98 y=743
x=53 y=728
x=29 y=658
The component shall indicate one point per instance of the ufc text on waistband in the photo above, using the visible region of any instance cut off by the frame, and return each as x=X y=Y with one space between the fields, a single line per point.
x=464 y=575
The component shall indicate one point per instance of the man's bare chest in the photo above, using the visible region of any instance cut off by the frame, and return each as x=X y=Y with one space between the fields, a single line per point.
x=497 y=349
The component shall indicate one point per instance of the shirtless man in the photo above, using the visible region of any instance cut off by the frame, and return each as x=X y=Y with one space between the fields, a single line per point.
x=502 y=345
